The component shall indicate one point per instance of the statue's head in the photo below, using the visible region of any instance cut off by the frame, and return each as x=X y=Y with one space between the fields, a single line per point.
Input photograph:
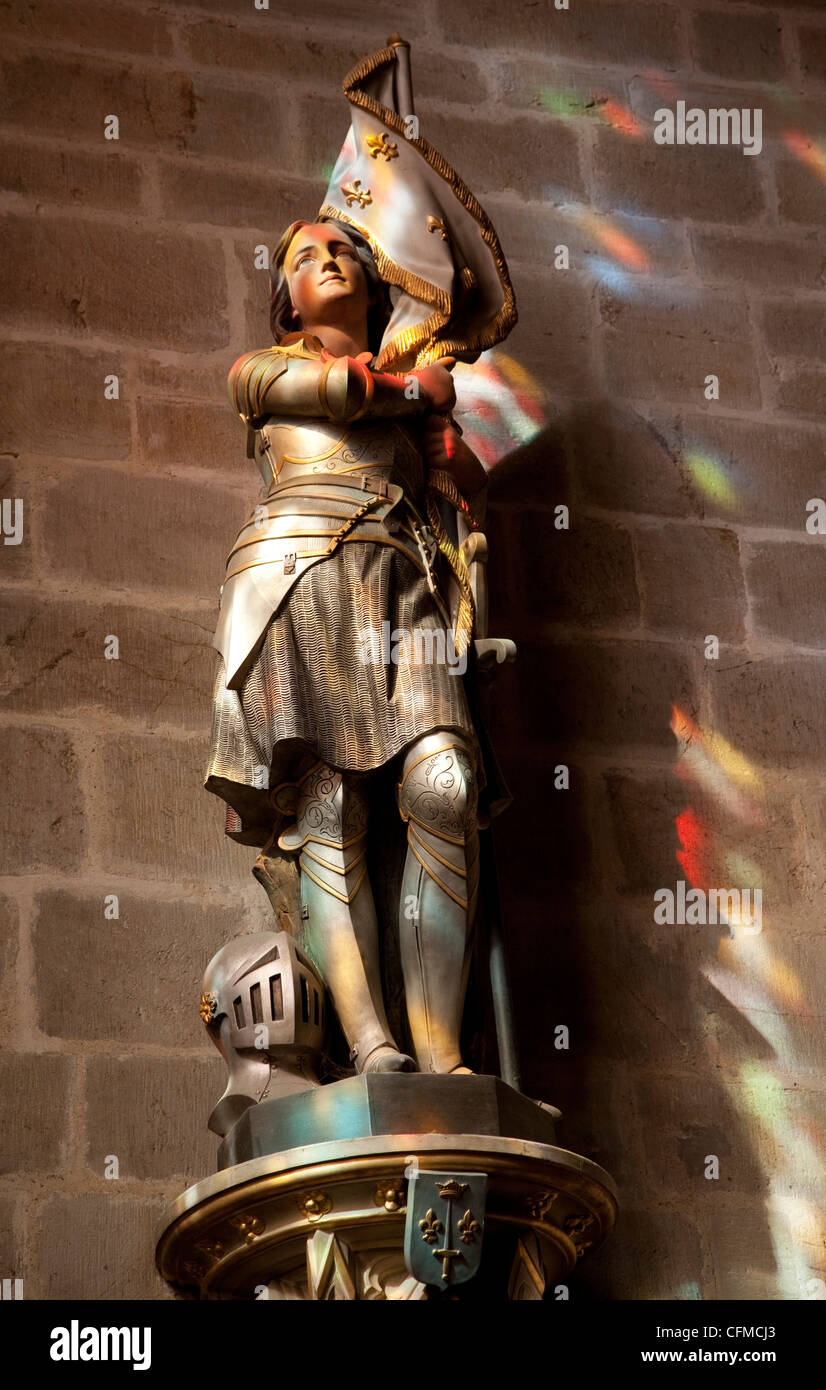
x=316 y=266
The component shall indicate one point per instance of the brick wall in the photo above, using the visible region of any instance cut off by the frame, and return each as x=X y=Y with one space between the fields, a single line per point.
x=687 y=519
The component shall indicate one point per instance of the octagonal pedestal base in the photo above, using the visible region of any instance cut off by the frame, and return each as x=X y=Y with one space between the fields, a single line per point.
x=326 y=1219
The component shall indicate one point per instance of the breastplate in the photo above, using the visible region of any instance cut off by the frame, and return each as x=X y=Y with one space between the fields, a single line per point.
x=289 y=449
x=308 y=514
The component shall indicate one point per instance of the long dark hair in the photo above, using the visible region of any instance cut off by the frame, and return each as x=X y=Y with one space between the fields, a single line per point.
x=281 y=307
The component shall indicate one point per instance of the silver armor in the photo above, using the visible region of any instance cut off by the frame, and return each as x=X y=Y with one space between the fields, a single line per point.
x=329 y=482
x=341 y=465
x=339 y=927
x=263 y=1007
x=437 y=798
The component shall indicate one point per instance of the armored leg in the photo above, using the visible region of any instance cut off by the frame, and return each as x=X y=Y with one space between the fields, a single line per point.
x=340 y=933
x=438 y=798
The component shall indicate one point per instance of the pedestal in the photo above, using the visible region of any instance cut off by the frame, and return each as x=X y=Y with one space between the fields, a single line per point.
x=390 y=1187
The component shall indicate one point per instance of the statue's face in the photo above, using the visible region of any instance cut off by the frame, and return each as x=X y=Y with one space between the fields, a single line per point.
x=321 y=267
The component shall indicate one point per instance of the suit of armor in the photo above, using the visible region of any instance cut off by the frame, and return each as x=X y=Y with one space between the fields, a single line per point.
x=340 y=545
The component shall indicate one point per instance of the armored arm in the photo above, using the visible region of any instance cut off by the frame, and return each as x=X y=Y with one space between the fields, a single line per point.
x=277 y=382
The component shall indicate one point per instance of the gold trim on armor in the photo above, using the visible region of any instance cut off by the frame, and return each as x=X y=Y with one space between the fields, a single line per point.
x=342 y=897
x=294 y=533
x=322 y=388
x=318 y=458
x=411 y=830
x=310 y=838
x=319 y=554
x=462 y=902
x=334 y=868
x=460 y=747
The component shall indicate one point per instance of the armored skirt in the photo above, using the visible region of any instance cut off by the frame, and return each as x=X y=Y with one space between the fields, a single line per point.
x=333 y=681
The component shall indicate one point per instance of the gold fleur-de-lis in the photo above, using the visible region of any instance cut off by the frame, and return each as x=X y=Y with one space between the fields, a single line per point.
x=382 y=144
x=436 y=224
x=468 y=1228
x=430 y=1227
x=209 y=1004
x=356 y=194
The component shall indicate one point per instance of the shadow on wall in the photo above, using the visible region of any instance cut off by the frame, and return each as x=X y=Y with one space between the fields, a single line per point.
x=618 y=1023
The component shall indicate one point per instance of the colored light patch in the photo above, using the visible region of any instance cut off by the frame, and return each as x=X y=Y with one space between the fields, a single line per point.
x=562 y=104
x=710 y=476
x=696 y=851
x=810 y=153
x=619 y=118
x=753 y=955
x=499 y=404
x=614 y=277
x=700 y=763
x=621 y=246
x=689 y=1292
x=735 y=765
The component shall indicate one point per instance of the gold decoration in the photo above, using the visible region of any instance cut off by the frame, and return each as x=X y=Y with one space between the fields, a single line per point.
x=314 y=1205
x=209 y=1005
x=430 y=1227
x=577 y=1225
x=468 y=1228
x=450 y=1189
x=540 y=1203
x=390 y=1195
x=212 y=1250
x=436 y=224
x=354 y=193
x=382 y=144
x=250 y=1227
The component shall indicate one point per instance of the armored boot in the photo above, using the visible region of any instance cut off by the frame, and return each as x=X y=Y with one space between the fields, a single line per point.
x=437 y=798
x=339 y=931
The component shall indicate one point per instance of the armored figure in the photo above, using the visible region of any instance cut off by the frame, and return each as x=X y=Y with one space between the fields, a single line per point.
x=347 y=740
x=369 y=534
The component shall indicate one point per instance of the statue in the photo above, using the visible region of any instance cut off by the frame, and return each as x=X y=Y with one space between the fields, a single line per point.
x=350 y=553
x=352 y=621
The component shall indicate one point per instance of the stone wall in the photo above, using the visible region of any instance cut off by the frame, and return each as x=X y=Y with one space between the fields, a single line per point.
x=687 y=520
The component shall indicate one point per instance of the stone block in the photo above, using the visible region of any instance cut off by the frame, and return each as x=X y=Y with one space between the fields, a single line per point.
x=99 y=1247
x=78 y=177
x=53 y=658
x=692 y=581
x=54 y=402
x=785 y=582
x=35 y=1091
x=746 y=47
x=132 y=532
x=43 y=817
x=133 y=283
x=151 y=1113
x=705 y=182
x=134 y=979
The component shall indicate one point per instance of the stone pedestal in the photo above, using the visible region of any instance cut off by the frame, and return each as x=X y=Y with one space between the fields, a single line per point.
x=311 y=1200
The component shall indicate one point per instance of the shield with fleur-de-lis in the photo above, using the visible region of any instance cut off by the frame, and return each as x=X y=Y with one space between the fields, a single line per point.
x=444 y=1227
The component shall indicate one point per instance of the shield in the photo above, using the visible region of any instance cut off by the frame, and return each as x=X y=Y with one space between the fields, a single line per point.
x=445 y=1225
